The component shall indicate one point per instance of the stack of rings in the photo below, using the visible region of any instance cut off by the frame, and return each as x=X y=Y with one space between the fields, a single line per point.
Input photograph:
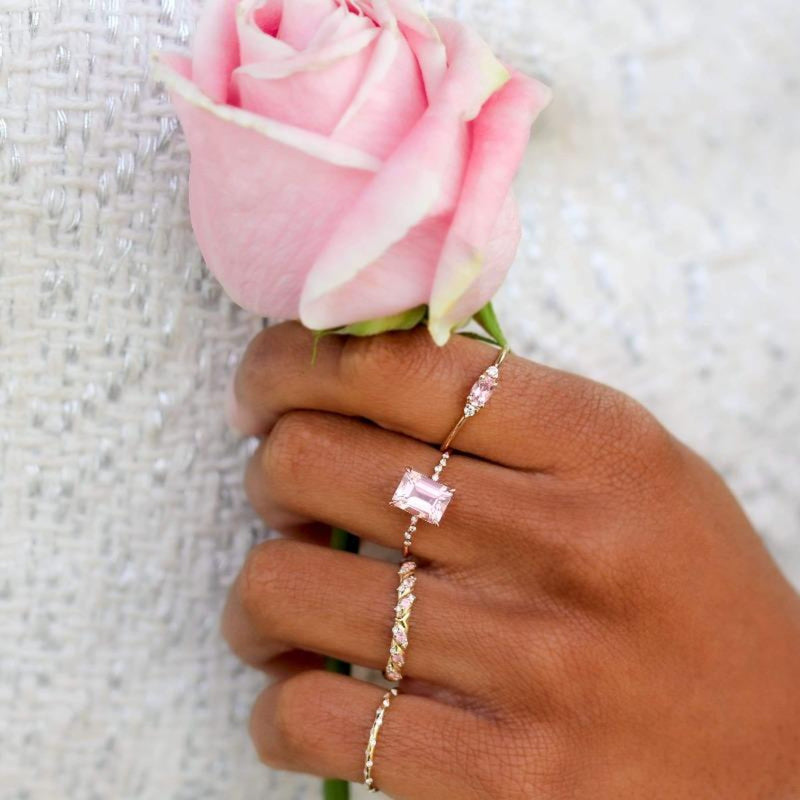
x=426 y=499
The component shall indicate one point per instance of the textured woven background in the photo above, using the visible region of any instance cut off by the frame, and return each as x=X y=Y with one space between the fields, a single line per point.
x=660 y=255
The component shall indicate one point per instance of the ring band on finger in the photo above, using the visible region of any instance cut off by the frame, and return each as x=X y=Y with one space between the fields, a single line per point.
x=372 y=743
x=402 y=611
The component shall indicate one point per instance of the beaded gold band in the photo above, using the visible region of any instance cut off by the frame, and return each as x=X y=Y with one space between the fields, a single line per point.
x=426 y=498
x=402 y=617
x=369 y=754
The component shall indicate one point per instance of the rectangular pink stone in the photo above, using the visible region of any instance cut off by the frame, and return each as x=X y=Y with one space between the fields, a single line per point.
x=422 y=496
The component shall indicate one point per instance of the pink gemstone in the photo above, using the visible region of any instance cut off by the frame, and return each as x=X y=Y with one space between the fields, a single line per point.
x=406 y=584
x=406 y=567
x=392 y=674
x=400 y=635
x=422 y=496
x=405 y=604
x=482 y=390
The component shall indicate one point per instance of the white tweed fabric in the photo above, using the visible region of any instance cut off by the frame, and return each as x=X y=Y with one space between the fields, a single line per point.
x=660 y=255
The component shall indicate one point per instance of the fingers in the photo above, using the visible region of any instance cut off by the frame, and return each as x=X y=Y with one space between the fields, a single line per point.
x=342 y=471
x=319 y=723
x=537 y=418
x=297 y=596
x=291 y=663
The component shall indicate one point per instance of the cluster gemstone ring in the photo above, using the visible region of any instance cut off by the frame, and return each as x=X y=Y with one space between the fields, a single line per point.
x=402 y=611
x=426 y=498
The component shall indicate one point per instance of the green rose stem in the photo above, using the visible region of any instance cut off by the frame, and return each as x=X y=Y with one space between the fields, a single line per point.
x=332 y=788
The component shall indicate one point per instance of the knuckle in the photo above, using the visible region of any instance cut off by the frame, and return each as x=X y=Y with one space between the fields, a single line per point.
x=266 y=745
x=256 y=365
x=377 y=357
x=602 y=411
x=265 y=580
x=268 y=752
x=290 y=448
x=639 y=445
x=521 y=761
x=620 y=431
x=271 y=356
x=294 y=706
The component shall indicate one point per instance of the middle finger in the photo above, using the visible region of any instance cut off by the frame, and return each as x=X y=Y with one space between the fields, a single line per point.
x=342 y=471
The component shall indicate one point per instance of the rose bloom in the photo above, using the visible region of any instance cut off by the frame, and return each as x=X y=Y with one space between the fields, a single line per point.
x=351 y=160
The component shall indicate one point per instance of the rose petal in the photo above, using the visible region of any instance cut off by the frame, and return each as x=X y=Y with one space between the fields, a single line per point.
x=267 y=15
x=264 y=196
x=474 y=73
x=167 y=68
x=310 y=60
x=175 y=63
x=399 y=280
x=325 y=75
x=338 y=25
x=257 y=24
x=424 y=40
x=467 y=277
x=216 y=40
x=498 y=255
x=301 y=19
x=415 y=182
x=326 y=93
x=389 y=101
x=326 y=81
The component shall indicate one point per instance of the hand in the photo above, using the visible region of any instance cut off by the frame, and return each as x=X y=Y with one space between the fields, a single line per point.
x=596 y=618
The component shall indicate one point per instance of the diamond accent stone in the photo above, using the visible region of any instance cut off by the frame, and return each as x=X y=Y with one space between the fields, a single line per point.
x=405 y=604
x=422 y=496
x=400 y=635
x=406 y=584
x=406 y=567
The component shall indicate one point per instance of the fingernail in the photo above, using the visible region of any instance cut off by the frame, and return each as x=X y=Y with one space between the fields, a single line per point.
x=238 y=418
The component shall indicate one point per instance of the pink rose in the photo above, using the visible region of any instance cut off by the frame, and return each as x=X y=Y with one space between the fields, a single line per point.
x=351 y=160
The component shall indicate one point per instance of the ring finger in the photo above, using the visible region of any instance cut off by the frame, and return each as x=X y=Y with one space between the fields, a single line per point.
x=322 y=467
x=299 y=596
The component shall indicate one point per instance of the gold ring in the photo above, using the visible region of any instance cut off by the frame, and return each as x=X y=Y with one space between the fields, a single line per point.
x=402 y=617
x=369 y=755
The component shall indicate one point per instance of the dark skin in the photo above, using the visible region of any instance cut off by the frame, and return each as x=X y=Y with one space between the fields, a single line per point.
x=596 y=618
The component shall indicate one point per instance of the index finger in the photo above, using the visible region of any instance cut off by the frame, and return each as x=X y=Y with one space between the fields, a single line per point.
x=537 y=418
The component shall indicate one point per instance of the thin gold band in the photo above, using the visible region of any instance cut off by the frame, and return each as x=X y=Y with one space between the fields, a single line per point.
x=501 y=357
x=369 y=754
